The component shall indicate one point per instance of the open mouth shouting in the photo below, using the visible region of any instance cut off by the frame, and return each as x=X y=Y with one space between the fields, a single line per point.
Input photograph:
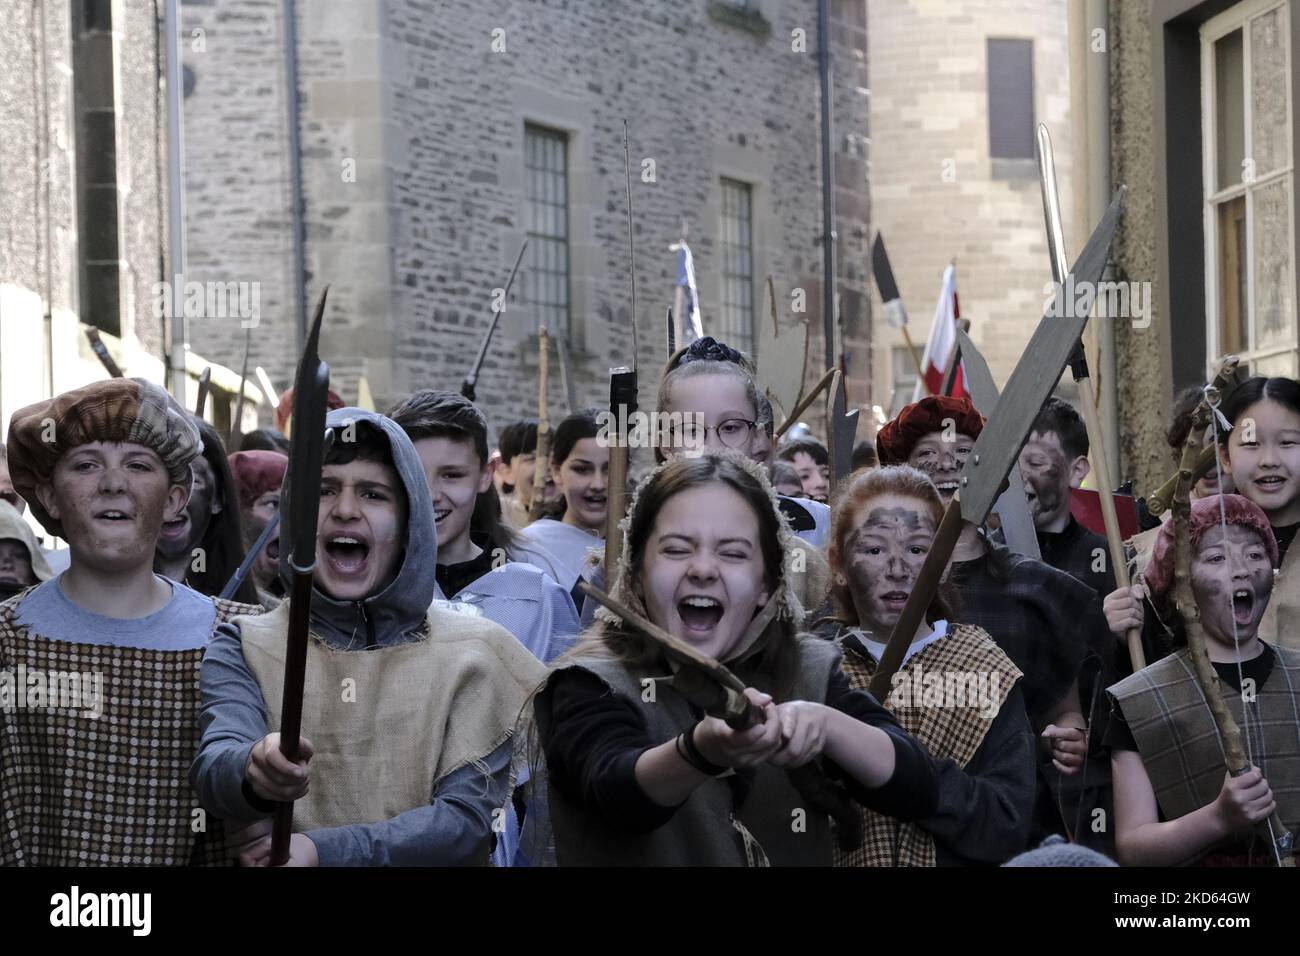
x=347 y=555
x=1243 y=607
x=700 y=615
x=946 y=486
x=177 y=529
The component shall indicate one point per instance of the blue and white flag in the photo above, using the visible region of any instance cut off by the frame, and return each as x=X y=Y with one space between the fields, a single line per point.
x=687 y=299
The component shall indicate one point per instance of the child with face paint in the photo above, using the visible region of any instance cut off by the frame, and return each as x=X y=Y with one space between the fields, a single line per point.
x=884 y=525
x=480 y=559
x=204 y=544
x=1260 y=457
x=258 y=476
x=638 y=775
x=580 y=467
x=1174 y=801
x=1041 y=617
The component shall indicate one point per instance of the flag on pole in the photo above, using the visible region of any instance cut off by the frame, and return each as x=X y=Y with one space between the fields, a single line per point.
x=687 y=299
x=941 y=343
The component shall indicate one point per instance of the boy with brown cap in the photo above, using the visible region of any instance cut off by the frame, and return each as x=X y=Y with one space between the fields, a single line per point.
x=102 y=467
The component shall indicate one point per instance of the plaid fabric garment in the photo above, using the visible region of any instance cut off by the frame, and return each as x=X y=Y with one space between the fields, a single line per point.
x=1041 y=617
x=1179 y=743
x=946 y=731
x=112 y=789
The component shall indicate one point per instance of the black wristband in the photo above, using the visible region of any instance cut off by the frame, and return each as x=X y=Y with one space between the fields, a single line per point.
x=691 y=754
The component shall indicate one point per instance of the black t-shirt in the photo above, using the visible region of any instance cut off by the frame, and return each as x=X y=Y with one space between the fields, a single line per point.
x=453 y=577
x=1284 y=535
x=1257 y=669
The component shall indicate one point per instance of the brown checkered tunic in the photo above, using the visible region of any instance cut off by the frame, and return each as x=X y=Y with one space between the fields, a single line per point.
x=948 y=731
x=76 y=790
x=1179 y=742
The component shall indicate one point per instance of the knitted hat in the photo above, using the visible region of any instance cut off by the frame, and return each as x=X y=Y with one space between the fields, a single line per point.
x=895 y=441
x=256 y=473
x=1054 y=851
x=1159 y=575
x=119 y=410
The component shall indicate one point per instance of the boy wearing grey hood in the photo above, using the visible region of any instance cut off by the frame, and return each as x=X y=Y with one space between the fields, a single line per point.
x=407 y=712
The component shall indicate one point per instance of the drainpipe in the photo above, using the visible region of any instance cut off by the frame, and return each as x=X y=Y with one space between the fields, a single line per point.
x=295 y=170
x=180 y=343
x=1097 y=76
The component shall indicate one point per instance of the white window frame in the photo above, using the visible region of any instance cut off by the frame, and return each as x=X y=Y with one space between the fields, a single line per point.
x=1239 y=17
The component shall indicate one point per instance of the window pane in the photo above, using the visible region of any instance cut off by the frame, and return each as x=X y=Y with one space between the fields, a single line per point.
x=1229 y=110
x=737 y=326
x=1271 y=226
x=1011 y=99
x=1268 y=92
x=904 y=379
x=1232 y=277
x=547 y=280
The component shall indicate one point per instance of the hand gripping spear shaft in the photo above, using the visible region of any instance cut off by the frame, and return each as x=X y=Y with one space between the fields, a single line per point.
x=306 y=456
x=1234 y=754
x=1079 y=369
x=711 y=686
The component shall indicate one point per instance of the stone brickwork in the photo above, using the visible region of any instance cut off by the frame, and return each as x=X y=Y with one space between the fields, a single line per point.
x=412 y=155
x=935 y=195
x=39 y=244
x=1144 y=383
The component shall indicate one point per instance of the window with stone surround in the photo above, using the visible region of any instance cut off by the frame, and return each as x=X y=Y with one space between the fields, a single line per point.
x=546 y=275
x=903 y=376
x=1011 y=107
x=1248 y=177
x=737 y=312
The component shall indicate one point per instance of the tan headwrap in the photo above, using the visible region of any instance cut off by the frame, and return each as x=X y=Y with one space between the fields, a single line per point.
x=119 y=410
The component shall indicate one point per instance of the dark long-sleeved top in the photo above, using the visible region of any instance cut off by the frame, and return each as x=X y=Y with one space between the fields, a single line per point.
x=595 y=738
x=985 y=809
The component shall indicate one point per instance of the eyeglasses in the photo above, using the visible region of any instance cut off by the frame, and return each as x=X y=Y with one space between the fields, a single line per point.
x=733 y=433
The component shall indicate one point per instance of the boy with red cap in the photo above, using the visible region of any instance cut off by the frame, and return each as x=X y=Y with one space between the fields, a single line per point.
x=95 y=763
x=1041 y=617
x=258 y=476
x=1174 y=800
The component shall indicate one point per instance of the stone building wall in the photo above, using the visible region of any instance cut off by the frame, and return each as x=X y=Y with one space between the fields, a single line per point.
x=935 y=196
x=412 y=153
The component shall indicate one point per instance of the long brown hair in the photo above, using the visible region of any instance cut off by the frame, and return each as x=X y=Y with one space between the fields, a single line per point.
x=775 y=656
x=862 y=488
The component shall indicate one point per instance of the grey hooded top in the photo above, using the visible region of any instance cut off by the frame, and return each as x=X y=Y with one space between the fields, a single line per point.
x=456 y=827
